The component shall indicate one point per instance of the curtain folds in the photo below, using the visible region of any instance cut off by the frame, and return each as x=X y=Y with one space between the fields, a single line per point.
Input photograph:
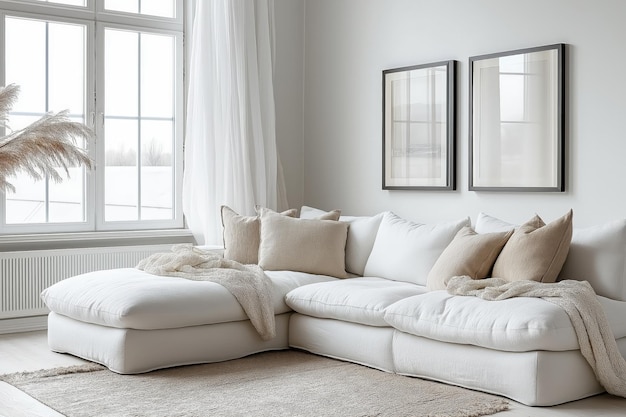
x=230 y=142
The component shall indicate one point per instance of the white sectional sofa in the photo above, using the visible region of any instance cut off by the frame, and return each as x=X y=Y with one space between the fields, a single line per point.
x=385 y=315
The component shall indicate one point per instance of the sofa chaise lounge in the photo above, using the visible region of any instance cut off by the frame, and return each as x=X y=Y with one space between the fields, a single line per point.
x=388 y=314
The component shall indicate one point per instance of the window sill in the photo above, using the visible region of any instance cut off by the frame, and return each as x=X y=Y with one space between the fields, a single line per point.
x=10 y=243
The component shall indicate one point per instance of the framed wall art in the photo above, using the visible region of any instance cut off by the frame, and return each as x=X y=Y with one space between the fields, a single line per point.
x=517 y=120
x=419 y=127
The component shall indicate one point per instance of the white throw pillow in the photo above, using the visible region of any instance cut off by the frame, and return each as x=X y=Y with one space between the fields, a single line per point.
x=598 y=255
x=406 y=251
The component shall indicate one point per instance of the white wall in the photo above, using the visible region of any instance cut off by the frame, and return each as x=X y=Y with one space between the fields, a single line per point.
x=349 y=42
x=288 y=94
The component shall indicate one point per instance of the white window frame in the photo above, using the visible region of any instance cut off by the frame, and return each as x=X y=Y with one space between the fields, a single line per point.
x=177 y=157
x=94 y=10
x=96 y=19
x=131 y=19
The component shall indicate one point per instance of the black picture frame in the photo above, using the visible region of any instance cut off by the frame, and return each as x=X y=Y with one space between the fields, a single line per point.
x=419 y=127
x=517 y=120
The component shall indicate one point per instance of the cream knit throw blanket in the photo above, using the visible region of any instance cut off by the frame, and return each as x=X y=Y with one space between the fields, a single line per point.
x=578 y=299
x=247 y=283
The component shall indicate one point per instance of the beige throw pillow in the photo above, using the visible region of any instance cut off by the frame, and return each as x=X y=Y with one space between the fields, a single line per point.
x=241 y=235
x=331 y=215
x=305 y=245
x=470 y=254
x=536 y=251
x=307 y=212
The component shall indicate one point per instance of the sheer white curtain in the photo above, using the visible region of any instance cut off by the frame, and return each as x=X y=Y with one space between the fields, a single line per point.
x=230 y=142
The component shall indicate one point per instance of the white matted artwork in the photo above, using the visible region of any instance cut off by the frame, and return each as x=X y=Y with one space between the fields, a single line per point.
x=418 y=127
x=517 y=120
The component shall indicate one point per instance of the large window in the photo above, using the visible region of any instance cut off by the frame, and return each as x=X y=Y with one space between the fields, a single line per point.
x=117 y=67
x=47 y=59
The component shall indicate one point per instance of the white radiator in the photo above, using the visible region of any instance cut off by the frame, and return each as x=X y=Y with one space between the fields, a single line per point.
x=23 y=275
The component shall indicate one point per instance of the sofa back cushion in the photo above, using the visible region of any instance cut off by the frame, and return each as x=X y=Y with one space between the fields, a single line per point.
x=361 y=235
x=486 y=223
x=304 y=245
x=598 y=255
x=406 y=251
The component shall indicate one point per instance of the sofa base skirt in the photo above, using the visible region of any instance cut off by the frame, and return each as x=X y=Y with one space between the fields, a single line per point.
x=132 y=351
x=352 y=342
x=535 y=378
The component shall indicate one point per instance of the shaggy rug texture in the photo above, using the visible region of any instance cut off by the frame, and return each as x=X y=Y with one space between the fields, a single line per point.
x=287 y=383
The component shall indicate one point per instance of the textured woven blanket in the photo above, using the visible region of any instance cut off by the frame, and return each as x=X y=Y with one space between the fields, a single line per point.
x=247 y=283
x=578 y=299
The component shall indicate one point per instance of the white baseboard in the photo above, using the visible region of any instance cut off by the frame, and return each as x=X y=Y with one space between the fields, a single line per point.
x=23 y=324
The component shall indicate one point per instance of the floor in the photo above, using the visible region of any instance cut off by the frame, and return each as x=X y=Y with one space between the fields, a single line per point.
x=22 y=352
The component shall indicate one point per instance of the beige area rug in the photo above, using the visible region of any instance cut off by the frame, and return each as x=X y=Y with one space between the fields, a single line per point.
x=286 y=383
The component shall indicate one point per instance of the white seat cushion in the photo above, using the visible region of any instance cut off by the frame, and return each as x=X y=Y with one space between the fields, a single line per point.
x=130 y=298
x=357 y=300
x=517 y=324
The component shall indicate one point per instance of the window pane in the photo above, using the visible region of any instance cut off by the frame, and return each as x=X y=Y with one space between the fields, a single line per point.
x=127 y=6
x=121 y=180
x=66 y=69
x=156 y=170
x=121 y=72
x=121 y=196
x=28 y=203
x=66 y=198
x=47 y=60
x=161 y=8
x=26 y=63
x=157 y=76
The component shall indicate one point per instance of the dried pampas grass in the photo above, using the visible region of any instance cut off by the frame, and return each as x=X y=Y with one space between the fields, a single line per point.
x=42 y=147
